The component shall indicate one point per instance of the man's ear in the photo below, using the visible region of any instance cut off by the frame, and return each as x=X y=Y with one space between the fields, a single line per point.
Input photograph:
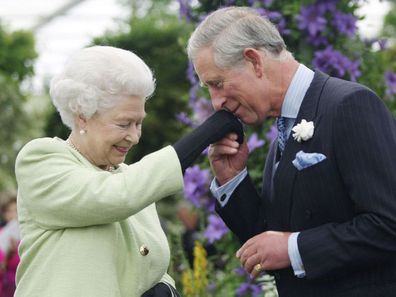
x=254 y=57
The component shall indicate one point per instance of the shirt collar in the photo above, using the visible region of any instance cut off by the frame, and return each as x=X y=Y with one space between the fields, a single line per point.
x=296 y=91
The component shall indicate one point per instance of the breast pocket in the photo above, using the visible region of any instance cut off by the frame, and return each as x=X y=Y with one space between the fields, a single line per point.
x=318 y=195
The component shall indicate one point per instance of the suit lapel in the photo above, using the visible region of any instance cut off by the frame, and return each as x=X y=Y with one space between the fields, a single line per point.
x=269 y=168
x=286 y=173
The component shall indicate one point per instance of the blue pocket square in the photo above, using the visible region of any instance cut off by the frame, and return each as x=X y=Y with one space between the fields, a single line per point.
x=304 y=160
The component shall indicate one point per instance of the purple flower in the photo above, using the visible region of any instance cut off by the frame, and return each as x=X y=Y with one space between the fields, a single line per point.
x=196 y=186
x=327 y=5
x=317 y=40
x=311 y=19
x=239 y=270
x=183 y=117
x=216 y=228
x=254 y=142
x=390 y=80
x=193 y=93
x=185 y=9
x=248 y=289
x=345 y=23
x=275 y=18
x=266 y=2
x=382 y=42
x=353 y=69
x=202 y=108
x=335 y=63
x=191 y=75
x=272 y=134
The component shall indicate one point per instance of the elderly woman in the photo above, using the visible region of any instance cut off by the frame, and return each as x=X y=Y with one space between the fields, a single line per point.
x=89 y=224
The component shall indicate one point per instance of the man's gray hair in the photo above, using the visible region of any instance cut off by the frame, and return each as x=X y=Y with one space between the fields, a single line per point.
x=228 y=31
x=94 y=80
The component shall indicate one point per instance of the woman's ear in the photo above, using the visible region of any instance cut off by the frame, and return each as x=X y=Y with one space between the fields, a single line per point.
x=81 y=121
x=254 y=57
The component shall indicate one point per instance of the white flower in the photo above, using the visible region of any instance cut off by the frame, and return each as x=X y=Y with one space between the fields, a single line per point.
x=303 y=130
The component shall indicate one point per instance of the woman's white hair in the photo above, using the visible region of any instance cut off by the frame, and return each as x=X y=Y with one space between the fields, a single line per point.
x=228 y=31
x=95 y=79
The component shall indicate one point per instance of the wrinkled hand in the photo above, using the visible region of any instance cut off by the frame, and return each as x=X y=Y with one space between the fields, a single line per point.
x=227 y=157
x=268 y=249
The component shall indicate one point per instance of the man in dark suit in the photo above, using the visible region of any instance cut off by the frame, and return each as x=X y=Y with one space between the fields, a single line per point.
x=325 y=222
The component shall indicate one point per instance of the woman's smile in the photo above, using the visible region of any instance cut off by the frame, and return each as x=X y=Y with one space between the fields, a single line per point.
x=122 y=150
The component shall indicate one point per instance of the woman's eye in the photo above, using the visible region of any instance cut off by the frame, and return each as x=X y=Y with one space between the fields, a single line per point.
x=123 y=125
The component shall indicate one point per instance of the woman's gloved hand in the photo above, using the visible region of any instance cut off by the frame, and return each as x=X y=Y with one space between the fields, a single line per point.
x=216 y=127
x=161 y=290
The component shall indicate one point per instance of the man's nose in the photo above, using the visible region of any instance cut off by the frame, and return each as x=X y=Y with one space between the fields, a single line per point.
x=218 y=102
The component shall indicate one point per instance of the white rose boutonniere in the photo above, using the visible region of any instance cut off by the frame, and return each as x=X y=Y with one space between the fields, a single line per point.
x=303 y=131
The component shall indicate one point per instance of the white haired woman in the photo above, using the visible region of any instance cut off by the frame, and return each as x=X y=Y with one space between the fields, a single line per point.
x=89 y=224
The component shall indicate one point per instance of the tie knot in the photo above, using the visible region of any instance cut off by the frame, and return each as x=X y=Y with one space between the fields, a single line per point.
x=280 y=123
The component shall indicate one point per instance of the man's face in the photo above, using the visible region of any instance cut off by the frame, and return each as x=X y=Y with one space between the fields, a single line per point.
x=241 y=90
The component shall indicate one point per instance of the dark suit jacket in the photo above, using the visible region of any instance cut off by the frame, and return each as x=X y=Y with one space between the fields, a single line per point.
x=344 y=206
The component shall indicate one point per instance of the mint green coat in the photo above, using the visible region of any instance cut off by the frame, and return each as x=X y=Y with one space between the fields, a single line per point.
x=82 y=227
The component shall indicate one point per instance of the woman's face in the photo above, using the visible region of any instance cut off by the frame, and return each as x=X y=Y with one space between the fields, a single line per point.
x=111 y=134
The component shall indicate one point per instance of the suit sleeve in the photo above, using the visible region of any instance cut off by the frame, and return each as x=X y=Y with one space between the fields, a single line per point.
x=59 y=192
x=243 y=213
x=364 y=137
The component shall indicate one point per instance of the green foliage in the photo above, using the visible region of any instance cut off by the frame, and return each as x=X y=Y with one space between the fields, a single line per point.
x=389 y=27
x=16 y=59
x=17 y=54
x=54 y=126
x=389 y=56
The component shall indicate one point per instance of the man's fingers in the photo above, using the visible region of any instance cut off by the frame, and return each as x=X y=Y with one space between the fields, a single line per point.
x=246 y=251
x=245 y=246
x=217 y=150
x=251 y=263
x=257 y=269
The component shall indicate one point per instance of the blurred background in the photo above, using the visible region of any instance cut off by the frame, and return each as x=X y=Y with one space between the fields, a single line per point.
x=354 y=41
x=63 y=26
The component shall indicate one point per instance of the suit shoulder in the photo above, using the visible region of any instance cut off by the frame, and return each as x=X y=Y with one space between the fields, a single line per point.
x=344 y=88
x=338 y=92
x=41 y=146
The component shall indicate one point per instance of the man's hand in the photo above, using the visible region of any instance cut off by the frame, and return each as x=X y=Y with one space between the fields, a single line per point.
x=227 y=157
x=269 y=249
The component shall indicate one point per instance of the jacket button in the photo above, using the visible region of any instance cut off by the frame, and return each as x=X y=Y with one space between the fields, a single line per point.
x=223 y=197
x=144 y=250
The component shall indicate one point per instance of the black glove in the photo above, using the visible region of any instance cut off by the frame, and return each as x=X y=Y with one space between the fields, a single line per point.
x=161 y=290
x=216 y=127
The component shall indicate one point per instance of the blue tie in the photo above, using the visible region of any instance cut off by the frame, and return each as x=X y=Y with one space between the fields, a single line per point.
x=282 y=137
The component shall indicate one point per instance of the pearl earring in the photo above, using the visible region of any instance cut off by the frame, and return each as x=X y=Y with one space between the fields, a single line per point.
x=82 y=132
